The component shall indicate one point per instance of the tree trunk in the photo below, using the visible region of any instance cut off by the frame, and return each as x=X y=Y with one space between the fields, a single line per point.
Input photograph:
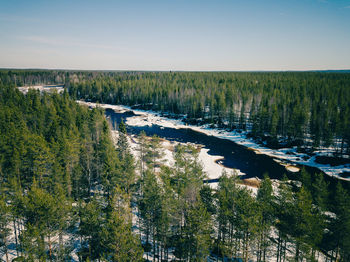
x=60 y=243
x=50 y=247
x=217 y=244
x=89 y=181
x=16 y=239
x=284 y=250
x=246 y=248
x=332 y=256
x=154 y=246
x=278 y=247
x=336 y=253
x=6 y=251
x=258 y=253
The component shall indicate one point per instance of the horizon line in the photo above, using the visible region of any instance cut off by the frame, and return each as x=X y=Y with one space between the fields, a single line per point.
x=345 y=70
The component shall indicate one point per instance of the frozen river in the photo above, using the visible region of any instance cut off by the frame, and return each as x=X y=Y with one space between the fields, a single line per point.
x=232 y=154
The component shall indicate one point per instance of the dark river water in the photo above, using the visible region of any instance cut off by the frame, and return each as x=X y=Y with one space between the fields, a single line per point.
x=234 y=155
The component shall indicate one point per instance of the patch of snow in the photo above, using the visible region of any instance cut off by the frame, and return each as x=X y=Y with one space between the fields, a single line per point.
x=42 y=88
x=211 y=167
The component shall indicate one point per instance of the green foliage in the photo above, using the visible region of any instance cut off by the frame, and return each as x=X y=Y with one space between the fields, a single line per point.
x=207 y=197
x=320 y=192
x=61 y=175
x=4 y=226
x=279 y=107
x=265 y=201
x=117 y=241
x=59 y=169
x=340 y=224
x=195 y=238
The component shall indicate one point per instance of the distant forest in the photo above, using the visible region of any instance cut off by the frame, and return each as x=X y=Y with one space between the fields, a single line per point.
x=305 y=109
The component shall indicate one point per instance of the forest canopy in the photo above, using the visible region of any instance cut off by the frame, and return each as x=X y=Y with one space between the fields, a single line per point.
x=307 y=109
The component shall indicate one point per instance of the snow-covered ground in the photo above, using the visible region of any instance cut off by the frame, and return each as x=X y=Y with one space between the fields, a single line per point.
x=42 y=88
x=288 y=157
x=69 y=240
x=209 y=162
x=211 y=167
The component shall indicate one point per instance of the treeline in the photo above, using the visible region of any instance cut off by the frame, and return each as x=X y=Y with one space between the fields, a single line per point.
x=283 y=109
x=29 y=77
x=297 y=221
x=64 y=188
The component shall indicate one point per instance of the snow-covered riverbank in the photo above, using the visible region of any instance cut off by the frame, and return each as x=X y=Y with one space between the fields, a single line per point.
x=289 y=157
x=211 y=164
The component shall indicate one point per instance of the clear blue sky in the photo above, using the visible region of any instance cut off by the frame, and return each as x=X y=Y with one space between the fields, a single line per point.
x=175 y=34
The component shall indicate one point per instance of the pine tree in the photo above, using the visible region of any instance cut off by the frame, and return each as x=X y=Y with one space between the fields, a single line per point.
x=143 y=149
x=320 y=192
x=285 y=217
x=4 y=227
x=63 y=219
x=122 y=144
x=265 y=200
x=90 y=215
x=125 y=166
x=227 y=217
x=340 y=224
x=196 y=233
x=118 y=243
x=307 y=230
x=150 y=208
x=207 y=198
x=248 y=217
x=40 y=214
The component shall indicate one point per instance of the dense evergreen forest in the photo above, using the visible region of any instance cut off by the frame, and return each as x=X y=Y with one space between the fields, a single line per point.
x=293 y=222
x=305 y=109
x=308 y=109
x=68 y=190
x=61 y=180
